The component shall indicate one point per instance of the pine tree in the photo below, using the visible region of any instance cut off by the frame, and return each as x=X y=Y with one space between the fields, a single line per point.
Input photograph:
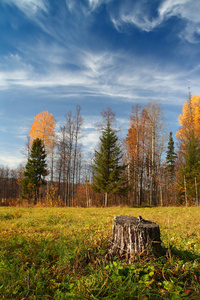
x=35 y=171
x=108 y=173
x=171 y=158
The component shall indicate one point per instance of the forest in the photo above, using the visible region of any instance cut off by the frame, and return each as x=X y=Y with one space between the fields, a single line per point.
x=142 y=169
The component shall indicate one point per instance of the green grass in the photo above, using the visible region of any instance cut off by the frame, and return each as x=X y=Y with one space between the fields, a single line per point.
x=60 y=253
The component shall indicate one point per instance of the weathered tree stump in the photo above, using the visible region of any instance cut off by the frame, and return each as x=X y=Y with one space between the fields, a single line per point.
x=132 y=236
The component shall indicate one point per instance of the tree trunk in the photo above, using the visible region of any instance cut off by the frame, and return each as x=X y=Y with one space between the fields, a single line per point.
x=196 y=191
x=132 y=236
x=185 y=192
x=106 y=199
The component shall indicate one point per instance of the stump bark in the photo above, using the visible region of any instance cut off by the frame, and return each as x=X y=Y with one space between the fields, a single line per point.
x=132 y=236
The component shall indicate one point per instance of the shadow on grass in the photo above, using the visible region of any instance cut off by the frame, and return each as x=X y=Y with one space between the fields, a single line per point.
x=185 y=255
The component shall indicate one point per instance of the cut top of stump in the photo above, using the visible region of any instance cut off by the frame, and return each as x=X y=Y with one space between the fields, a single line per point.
x=139 y=221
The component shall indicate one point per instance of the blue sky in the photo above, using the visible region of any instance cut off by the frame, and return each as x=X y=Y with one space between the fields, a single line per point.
x=55 y=54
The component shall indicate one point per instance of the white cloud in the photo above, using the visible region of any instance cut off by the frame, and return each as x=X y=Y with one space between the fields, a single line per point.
x=137 y=13
x=90 y=141
x=171 y=7
x=34 y=10
x=22 y=131
x=29 y=7
x=105 y=74
x=96 y=3
x=98 y=63
x=108 y=74
x=70 y=4
x=187 y=10
x=13 y=70
x=91 y=135
x=10 y=160
x=90 y=122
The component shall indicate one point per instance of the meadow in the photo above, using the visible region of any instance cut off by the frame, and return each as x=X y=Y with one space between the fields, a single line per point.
x=61 y=253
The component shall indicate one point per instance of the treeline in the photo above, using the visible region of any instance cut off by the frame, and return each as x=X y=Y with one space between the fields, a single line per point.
x=142 y=169
x=10 y=185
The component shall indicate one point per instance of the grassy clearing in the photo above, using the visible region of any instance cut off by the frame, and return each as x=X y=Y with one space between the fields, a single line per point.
x=60 y=253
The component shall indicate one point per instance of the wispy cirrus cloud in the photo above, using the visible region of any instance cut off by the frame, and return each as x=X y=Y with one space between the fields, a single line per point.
x=93 y=4
x=121 y=13
x=105 y=74
x=187 y=10
x=80 y=70
x=29 y=7
x=152 y=17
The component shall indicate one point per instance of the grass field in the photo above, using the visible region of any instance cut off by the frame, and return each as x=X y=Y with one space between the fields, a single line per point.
x=60 y=253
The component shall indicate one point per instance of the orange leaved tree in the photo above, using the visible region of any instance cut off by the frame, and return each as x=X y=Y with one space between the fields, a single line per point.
x=43 y=127
x=189 y=156
x=189 y=121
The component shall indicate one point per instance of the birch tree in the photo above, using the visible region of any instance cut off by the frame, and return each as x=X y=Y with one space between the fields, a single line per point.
x=145 y=145
x=43 y=127
x=77 y=124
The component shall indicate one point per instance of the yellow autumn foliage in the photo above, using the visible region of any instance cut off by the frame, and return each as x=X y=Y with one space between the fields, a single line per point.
x=43 y=127
x=189 y=120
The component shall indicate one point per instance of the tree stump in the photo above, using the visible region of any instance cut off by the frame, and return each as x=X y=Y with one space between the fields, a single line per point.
x=132 y=236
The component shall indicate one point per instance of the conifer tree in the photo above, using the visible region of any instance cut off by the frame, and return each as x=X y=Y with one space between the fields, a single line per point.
x=171 y=158
x=108 y=172
x=35 y=171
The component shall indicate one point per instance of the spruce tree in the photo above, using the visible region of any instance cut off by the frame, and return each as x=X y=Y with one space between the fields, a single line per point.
x=170 y=158
x=108 y=172
x=35 y=171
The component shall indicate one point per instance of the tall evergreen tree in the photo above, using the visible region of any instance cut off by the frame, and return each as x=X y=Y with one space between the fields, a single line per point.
x=35 y=171
x=170 y=158
x=108 y=172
